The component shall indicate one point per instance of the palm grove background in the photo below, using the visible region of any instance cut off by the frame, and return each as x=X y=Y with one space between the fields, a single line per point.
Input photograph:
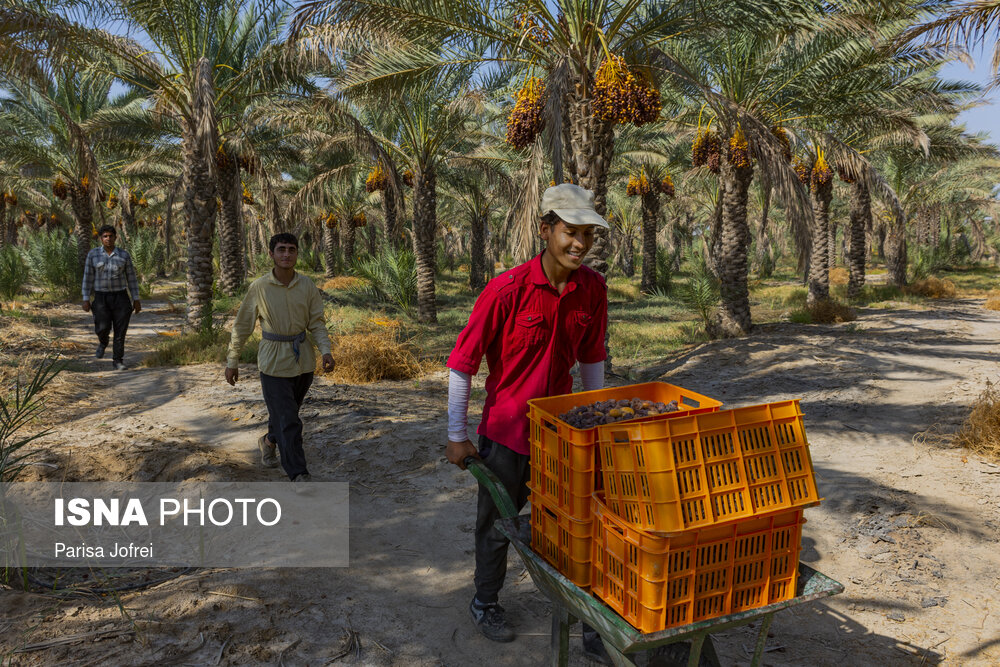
x=400 y=140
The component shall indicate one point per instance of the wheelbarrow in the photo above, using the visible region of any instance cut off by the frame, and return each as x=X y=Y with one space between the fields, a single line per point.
x=571 y=603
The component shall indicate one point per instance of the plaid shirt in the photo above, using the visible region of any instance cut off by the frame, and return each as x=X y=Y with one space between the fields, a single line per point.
x=104 y=273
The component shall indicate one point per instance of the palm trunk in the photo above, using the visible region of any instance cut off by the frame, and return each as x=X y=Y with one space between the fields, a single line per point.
x=978 y=240
x=732 y=248
x=424 y=231
x=628 y=255
x=349 y=238
x=861 y=213
x=819 y=256
x=895 y=254
x=83 y=212
x=199 y=195
x=3 y=220
x=128 y=215
x=330 y=242
x=590 y=147
x=393 y=232
x=477 y=253
x=650 y=216
x=232 y=269
x=832 y=244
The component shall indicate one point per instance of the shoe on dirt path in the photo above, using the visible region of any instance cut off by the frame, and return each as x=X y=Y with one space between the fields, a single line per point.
x=491 y=620
x=304 y=477
x=119 y=365
x=268 y=456
x=99 y=353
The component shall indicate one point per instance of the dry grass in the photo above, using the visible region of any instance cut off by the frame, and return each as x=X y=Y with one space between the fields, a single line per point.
x=838 y=276
x=980 y=433
x=374 y=351
x=341 y=283
x=992 y=300
x=932 y=288
x=828 y=311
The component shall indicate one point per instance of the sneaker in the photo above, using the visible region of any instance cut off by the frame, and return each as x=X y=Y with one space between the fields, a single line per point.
x=304 y=477
x=119 y=365
x=491 y=621
x=268 y=456
x=100 y=350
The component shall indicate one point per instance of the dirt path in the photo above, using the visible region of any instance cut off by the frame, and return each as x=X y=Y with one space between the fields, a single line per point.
x=911 y=531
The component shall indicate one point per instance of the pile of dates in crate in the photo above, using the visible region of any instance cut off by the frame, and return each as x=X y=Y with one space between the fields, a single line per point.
x=611 y=411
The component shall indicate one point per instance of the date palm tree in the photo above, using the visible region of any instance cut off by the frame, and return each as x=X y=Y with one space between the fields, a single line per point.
x=564 y=43
x=46 y=138
x=184 y=63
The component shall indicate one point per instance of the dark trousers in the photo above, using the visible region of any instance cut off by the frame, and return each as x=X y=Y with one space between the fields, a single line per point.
x=514 y=471
x=284 y=397
x=112 y=310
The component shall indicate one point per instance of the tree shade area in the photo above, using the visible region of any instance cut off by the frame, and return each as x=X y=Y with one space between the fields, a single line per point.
x=399 y=139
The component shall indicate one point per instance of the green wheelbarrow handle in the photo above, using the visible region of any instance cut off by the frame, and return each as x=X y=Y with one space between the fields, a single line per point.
x=492 y=484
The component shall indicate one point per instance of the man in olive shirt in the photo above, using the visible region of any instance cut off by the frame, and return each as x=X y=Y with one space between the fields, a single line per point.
x=288 y=305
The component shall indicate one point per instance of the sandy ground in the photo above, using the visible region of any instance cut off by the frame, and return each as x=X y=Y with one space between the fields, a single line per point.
x=910 y=529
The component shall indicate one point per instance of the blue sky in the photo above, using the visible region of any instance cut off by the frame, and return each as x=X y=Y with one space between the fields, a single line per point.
x=985 y=118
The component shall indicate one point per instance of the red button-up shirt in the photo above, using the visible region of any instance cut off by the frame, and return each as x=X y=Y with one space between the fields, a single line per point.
x=531 y=336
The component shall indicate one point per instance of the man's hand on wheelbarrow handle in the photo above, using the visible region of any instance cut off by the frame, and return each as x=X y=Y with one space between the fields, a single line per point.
x=458 y=452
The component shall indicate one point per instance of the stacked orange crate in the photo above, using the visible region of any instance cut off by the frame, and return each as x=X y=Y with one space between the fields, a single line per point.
x=565 y=470
x=703 y=514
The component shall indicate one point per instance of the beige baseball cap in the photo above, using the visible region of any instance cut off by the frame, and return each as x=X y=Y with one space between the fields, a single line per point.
x=573 y=204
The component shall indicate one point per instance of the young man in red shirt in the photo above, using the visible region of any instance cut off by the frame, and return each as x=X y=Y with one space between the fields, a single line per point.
x=532 y=323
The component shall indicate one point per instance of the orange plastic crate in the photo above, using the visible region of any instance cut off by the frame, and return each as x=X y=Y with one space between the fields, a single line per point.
x=661 y=581
x=562 y=541
x=564 y=462
x=669 y=475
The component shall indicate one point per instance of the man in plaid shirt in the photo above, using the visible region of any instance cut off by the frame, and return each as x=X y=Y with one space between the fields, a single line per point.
x=109 y=277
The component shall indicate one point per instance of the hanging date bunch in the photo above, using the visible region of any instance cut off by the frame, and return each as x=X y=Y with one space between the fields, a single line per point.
x=85 y=184
x=638 y=185
x=376 y=180
x=535 y=32
x=802 y=170
x=526 y=119
x=781 y=134
x=112 y=200
x=667 y=187
x=143 y=202
x=248 y=164
x=359 y=220
x=408 y=178
x=845 y=174
x=10 y=198
x=624 y=95
x=59 y=188
x=247 y=196
x=222 y=160
x=331 y=220
x=739 y=150
x=706 y=150
x=821 y=172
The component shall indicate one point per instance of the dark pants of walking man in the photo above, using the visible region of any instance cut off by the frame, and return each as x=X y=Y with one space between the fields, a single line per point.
x=284 y=397
x=112 y=310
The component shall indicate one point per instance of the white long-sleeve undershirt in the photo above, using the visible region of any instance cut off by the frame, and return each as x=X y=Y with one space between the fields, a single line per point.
x=460 y=385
